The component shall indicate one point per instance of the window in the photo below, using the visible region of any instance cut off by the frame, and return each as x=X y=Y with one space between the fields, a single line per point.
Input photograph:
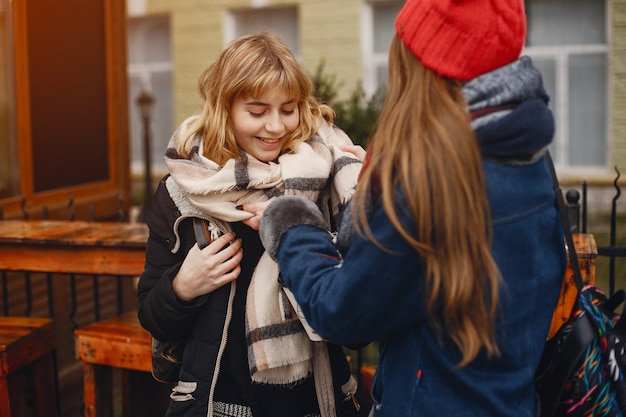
x=377 y=33
x=150 y=69
x=567 y=40
x=63 y=109
x=280 y=20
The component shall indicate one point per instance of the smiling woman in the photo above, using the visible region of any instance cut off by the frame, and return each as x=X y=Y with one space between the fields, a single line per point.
x=262 y=124
x=260 y=134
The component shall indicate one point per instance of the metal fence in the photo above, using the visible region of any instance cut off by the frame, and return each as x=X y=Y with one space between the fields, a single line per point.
x=577 y=214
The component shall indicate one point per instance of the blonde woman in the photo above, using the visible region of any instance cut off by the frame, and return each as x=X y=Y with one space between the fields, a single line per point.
x=452 y=248
x=260 y=135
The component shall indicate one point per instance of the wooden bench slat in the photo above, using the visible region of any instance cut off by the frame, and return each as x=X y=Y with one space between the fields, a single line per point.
x=22 y=340
x=118 y=342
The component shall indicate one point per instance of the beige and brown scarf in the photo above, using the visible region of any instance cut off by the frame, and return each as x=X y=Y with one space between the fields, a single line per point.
x=279 y=350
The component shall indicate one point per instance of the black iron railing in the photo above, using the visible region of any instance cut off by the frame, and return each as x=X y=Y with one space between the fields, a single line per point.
x=577 y=214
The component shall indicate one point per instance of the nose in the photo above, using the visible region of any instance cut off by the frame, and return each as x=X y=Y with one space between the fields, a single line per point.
x=274 y=124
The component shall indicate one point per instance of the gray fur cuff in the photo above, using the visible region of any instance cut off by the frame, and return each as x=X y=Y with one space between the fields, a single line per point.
x=284 y=213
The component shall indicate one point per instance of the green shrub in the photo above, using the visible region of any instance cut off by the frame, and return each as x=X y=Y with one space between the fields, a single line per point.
x=356 y=115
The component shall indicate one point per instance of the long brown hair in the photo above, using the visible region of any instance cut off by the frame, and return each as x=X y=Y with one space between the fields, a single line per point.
x=248 y=67
x=424 y=144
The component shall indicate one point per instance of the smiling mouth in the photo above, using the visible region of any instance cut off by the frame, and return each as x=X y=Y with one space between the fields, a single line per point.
x=270 y=141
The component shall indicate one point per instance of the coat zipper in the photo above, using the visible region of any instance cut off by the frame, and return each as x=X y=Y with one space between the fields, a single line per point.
x=229 y=313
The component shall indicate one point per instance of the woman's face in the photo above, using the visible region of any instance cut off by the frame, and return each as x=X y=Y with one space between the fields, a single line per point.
x=262 y=124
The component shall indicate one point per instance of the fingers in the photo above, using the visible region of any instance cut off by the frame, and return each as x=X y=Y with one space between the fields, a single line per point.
x=257 y=210
x=220 y=243
x=206 y=270
x=356 y=150
x=233 y=254
x=224 y=254
x=253 y=222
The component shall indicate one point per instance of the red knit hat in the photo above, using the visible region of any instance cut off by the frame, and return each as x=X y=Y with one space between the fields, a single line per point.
x=463 y=39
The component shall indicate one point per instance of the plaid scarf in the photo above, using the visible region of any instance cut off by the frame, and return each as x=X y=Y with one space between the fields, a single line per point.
x=279 y=351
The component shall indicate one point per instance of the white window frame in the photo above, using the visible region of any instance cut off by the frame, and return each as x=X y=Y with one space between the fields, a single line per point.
x=289 y=35
x=144 y=72
x=372 y=60
x=561 y=55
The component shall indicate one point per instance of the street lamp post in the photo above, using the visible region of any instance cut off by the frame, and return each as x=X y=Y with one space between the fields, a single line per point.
x=145 y=102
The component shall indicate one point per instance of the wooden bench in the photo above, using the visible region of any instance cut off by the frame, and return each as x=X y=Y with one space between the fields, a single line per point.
x=119 y=346
x=27 y=368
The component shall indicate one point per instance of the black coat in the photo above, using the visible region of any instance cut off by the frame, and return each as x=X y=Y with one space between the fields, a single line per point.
x=201 y=322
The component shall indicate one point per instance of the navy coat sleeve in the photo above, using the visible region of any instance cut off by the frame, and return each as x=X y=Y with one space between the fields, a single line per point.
x=368 y=295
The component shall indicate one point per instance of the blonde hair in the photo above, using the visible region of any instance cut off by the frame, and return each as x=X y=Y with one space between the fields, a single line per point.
x=249 y=67
x=425 y=146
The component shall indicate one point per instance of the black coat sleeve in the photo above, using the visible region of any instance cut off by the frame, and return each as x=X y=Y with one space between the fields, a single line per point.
x=160 y=311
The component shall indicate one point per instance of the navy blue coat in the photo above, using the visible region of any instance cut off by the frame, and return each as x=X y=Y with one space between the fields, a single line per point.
x=374 y=294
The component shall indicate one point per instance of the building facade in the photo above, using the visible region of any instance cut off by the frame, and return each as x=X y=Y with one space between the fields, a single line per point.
x=580 y=46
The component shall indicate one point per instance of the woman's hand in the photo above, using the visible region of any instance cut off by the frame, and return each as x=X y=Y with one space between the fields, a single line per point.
x=257 y=210
x=206 y=270
x=355 y=150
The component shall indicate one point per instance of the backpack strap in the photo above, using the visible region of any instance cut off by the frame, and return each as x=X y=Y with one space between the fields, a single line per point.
x=201 y=231
x=567 y=230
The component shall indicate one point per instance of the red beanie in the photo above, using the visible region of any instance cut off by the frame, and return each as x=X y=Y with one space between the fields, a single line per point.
x=463 y=39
